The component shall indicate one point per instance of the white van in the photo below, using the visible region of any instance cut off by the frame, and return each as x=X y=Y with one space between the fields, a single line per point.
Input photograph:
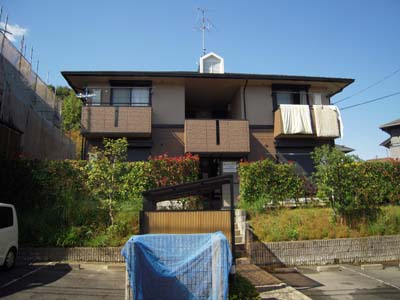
x=8 y=235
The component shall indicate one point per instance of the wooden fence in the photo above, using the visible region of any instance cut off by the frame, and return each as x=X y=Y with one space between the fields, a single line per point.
x=186 y=222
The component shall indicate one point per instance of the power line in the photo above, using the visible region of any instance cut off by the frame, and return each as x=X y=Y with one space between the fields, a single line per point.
x=368 y=87
x=369 y=101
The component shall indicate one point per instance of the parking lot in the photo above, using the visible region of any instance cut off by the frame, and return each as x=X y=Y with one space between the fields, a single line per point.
x=49 y=281
x=346 y=282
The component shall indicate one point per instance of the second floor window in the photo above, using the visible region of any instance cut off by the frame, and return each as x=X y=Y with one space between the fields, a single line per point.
x=96 y=99
x=137 y=96
x=291 y=97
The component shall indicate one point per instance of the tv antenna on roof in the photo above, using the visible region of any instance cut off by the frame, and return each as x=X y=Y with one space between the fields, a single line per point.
x=203 y=24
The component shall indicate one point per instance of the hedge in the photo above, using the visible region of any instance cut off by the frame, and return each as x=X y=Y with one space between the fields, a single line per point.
x=265 y=182
x=56 y=208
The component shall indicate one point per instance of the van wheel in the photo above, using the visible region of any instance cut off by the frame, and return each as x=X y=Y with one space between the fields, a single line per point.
x=10 y=259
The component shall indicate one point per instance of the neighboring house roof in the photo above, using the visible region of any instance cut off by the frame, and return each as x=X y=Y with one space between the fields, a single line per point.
x=386 y=143
x=390 y=124
x=69 y=75
x=344 y=149
x=384 y=159
x=387 y=128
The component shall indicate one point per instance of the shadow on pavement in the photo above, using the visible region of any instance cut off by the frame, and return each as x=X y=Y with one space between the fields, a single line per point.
x=29 y=277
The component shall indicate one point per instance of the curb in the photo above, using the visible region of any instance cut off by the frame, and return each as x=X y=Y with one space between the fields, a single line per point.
x=372 y=267
x=328 y=268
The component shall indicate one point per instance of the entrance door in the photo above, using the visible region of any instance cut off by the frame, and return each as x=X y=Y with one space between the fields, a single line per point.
x=230 y=167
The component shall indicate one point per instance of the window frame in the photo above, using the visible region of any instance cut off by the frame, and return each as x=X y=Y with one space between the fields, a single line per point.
x=131 y=84
x=297 y=89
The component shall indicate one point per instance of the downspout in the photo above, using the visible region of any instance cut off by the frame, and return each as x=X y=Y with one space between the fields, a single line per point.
x=244 y=99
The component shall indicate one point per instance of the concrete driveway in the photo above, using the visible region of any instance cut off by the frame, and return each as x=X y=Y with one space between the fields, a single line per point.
x=49 y=281
x=346 y=282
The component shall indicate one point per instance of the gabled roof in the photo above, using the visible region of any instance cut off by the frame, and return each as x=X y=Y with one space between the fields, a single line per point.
x=344 y=149
x=390 y=124
x=386 y=143
x=77 y=79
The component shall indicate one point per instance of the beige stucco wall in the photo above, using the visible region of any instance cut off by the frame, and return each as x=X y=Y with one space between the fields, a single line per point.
x=259 y=105
x=237 y=105
x=168 y=102
x=167 y=140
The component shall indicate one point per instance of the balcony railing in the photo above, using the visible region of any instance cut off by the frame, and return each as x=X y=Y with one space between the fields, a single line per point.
x=221 y=136
x=132 y=121
x=304 y=121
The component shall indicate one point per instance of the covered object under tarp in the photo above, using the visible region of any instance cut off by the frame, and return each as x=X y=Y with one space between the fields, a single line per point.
x=178 y=266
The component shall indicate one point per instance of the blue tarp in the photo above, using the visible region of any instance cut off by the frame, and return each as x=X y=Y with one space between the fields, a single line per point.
x=178 y=266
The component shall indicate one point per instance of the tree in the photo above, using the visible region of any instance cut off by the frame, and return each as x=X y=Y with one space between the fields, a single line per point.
x=107 y=172
x=71 y=112
x=352 y=190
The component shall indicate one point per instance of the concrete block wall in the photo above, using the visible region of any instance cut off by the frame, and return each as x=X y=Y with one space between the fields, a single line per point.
x=313 y=252
x=84 y=254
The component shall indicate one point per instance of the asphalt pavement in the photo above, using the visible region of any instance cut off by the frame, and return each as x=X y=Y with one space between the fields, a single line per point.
x=46 y=281
x=347 y=282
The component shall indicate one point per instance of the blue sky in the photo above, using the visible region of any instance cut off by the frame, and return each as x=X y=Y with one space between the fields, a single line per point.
x=353 y=39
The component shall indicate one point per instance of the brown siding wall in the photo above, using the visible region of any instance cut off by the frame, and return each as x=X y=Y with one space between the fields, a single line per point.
x=261 y=144
x=187 y=222
x=201 y=136
x=167 y=140
x=131 y=120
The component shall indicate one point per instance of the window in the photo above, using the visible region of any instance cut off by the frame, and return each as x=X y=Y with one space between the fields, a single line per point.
x=284 y=94
x=6 y=217
x=96 y=100
x=284 y=97
x=121 y=97
x=317 y=99
x=140 y=96
x=137 y=96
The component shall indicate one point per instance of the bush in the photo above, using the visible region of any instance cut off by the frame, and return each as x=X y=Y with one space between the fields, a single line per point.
x=265 y=182
x=65 y=203
x=354 y=189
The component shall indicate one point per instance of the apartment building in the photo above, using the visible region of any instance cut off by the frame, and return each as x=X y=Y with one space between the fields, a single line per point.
x=223 y=117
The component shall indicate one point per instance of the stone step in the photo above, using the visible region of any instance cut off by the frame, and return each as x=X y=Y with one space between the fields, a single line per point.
x=262 y=280
x=239 y=239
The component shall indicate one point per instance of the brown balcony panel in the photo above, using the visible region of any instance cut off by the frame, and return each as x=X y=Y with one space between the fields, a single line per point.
x=201 y=136
x=114 y=121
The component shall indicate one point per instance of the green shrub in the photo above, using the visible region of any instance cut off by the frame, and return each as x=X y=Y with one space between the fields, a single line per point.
x=65 y=203
x=355 y=189
x=265 y=182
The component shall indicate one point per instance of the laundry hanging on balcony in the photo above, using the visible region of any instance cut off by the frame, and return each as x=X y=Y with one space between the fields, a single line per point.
x=296 y=119
x=328 y=121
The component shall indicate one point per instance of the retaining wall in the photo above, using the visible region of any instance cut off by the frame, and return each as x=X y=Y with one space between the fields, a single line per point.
x=313 y=252
x=87 y=254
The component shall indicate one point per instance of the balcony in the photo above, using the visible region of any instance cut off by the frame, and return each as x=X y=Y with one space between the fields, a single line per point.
x=217 y=136
x=304 y=121
x=116 y=120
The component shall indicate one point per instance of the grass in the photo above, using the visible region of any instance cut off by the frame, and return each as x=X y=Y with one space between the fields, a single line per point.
x=318 y=223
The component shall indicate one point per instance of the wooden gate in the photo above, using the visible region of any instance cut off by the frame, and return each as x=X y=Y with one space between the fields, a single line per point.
x=184 y=222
